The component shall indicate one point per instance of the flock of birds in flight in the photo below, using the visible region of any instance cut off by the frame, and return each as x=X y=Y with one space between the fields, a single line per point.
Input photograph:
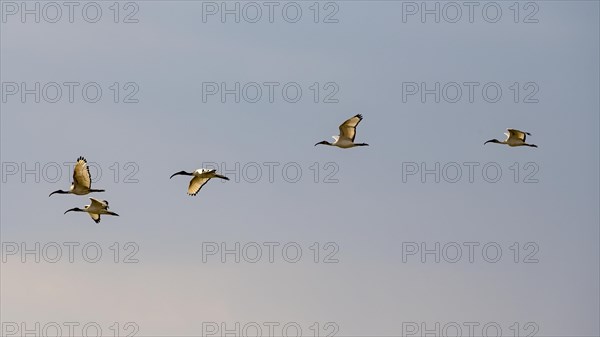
x=82 y=182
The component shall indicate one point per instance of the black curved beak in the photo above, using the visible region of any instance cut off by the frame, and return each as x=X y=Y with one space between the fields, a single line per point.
x=180 y=173
x=57 y=191
x=322 y=143
x=491 y=141
x=72 y=210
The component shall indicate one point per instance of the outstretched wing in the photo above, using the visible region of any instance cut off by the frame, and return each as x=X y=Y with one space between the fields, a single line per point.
x=348 y=128
x=518 y=134
x=95 y=217
x=81 y=173
x=196 y=184
x=98 y=204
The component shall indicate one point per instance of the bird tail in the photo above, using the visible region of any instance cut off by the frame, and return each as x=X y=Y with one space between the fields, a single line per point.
x=93 y=190
x=220 y=176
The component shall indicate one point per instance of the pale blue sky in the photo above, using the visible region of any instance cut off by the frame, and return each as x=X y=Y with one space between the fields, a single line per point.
x=369 y=213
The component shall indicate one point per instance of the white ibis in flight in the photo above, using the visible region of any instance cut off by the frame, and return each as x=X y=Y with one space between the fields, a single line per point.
x=82 y=180
x=347 y=133
x=200 y=178
x=513 y=138
x=95 y=209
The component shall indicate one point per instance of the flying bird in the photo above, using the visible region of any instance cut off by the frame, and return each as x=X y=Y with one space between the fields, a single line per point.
x=82 y=180
x=347 y=133
x=95 y=209
x=513 y=138
x=201 y=177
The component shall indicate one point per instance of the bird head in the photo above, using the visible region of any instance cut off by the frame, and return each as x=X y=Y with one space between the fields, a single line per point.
x=492 y=141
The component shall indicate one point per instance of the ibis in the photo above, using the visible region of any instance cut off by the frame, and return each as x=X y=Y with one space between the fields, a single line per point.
x=347 y=133
x=82 y=180
x=200 y=178
x=95 y=209
x=513 y=138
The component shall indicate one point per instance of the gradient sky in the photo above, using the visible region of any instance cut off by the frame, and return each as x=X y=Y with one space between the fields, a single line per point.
x=369 y=213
